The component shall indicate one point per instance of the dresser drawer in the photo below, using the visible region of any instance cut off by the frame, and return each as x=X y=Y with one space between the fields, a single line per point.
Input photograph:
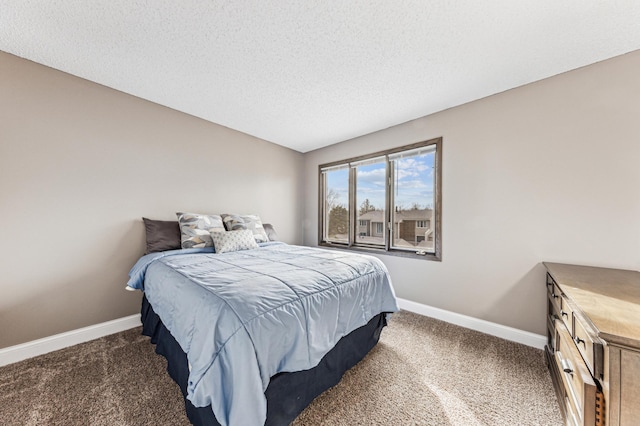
x=550 y=283
x=553 y=314
x=577 y=381
x=590 y=349
x=566 y=314
x=552 y=287
x=559 y=304
x=553 y=309
x=571 y=416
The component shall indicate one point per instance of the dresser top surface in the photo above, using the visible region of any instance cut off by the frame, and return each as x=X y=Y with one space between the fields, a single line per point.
x=609 y=297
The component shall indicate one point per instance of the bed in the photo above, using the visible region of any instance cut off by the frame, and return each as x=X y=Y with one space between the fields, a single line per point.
x=253 y=336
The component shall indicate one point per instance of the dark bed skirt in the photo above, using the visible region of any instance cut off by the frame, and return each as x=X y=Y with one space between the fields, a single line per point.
x=288 y=393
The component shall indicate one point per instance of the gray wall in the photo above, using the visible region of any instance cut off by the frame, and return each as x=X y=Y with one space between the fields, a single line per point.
x=81 y=163
x=548 y=171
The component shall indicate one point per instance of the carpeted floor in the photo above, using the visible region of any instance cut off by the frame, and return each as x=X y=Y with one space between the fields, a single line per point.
x=423 y=372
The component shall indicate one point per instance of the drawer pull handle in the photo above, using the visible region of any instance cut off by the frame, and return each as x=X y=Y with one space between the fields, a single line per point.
x=555 y=296
x=579 y=340
x=564 y=314
x=566 y=366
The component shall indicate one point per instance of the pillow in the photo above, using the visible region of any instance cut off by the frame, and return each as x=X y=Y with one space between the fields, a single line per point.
x=271 y=232
x=233 y=222
x=162 y=235
x=196 y=229
x=229 y=241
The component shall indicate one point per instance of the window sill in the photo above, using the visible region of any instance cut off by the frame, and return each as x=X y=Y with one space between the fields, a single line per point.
x=370 y=250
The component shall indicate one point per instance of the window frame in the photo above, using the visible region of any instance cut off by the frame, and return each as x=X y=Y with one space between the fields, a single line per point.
x=323 y=219
x=353 y=220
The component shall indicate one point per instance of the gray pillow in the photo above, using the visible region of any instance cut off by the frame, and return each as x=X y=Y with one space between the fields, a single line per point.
x=161 y=235
x=252 y=222
x=196 y=229
x=271 y=232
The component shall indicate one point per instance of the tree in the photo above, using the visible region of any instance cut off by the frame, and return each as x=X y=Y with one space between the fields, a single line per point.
x=338 y=220
x=366 y=206
x=332 y=199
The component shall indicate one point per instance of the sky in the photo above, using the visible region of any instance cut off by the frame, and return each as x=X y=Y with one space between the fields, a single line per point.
x=414 y=182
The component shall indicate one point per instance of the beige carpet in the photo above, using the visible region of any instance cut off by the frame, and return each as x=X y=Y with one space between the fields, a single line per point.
x=423 y=372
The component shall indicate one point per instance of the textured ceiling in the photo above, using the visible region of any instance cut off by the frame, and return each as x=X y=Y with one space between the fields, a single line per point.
x=306 y=74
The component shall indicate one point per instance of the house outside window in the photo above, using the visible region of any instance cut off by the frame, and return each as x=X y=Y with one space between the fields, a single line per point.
x=379 y=228
x=387 y=201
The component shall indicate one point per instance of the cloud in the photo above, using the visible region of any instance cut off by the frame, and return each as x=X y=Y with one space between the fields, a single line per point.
x=417 y=165
x=372 y=177
x=415 y=183
x=412 y=168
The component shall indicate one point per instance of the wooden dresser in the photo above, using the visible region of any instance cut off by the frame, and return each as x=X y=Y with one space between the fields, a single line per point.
x=593 y=343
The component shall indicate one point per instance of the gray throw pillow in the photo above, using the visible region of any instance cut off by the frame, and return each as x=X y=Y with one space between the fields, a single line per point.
x=252 y=222
x=161 y=235
x=196 y=229
x=271 y=232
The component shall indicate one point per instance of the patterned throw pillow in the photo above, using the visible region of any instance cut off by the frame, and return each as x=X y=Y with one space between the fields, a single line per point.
x=233 y=222
x=196 y=229
x=225 y=242
x=252 y=222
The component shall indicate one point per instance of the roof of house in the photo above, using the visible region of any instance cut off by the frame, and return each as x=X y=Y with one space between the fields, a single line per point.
x=413 y=214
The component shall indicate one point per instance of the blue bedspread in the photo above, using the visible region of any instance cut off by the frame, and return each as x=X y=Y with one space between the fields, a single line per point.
x=245 y=316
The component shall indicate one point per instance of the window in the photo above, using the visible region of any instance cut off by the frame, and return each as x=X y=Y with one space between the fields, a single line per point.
x=387 y=201
x=370 y=187
x=413 y=197
x=379 y=228
x=336 y=205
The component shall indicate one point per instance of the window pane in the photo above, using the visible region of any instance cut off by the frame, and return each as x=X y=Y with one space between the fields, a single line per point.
x=336 y=205
x=413 y=202
x=370 y=201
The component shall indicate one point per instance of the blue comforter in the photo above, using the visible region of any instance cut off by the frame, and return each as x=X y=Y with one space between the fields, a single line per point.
x=245 y=316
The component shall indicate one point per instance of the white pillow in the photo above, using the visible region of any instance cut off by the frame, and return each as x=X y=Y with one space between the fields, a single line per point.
x=229 y=241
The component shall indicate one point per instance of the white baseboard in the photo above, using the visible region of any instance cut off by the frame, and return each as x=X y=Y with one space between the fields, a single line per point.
x=509 y=333
x=63 y=340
